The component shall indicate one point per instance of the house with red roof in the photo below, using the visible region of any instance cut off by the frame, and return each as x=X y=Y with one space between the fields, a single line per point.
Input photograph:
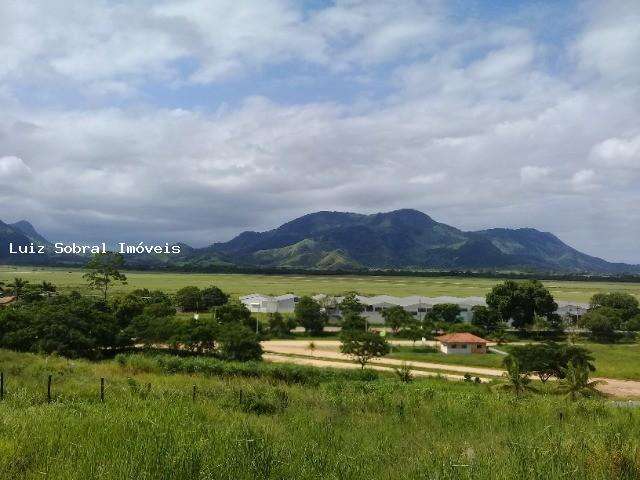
x=461 y=343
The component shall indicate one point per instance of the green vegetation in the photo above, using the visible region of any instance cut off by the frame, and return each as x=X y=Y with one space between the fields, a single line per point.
x=611 y=361
x=609 y=313
x=429 y=354
x=248 y=427
x=363 y=346
x=240 y=284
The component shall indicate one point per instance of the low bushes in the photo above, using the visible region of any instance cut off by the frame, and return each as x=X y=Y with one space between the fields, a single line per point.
x=292 y=374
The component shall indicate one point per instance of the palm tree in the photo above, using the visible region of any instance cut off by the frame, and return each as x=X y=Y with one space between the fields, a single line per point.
x=515 y=380
x=576 y=382
x=18 y=286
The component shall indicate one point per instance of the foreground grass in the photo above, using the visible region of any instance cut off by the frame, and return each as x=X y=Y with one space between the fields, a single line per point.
x=241 y=284
x=149 y=428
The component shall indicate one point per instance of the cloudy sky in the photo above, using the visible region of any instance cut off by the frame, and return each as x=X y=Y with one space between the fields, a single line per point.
x=194 y=120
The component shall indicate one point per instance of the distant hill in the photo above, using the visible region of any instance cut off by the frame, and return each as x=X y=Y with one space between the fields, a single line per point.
x=9 y=234
x=23 y=234
x=405 y=239
x=30 y=232
x=398 y=240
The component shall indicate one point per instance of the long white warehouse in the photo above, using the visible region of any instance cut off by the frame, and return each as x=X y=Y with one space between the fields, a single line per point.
x=417 y=305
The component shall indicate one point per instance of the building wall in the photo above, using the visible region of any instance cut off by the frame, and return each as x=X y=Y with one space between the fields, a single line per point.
x=462 y=348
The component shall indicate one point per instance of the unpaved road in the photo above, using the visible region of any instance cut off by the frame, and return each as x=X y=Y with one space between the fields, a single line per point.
x=319 y=362
x=326 y=354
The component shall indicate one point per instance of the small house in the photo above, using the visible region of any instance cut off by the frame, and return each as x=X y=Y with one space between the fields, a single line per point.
x=462 y=343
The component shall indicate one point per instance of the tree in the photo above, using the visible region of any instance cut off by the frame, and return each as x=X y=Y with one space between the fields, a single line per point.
x=351 y=304
x=446 y=312
x=633 y=324
x=17 y=286
x=48 y=288
x=309 y=314
x=353 y=321
x=521 y=301
x=213 y=297
x=127 y=307
x=413 y=331
x=72 y=326
x=239 y=343
x=576 y=382
x=279 y=325
x=550 y=359
x=189 y=299
x=103 y=270
x=626 y=304
x=201 y=334
x=149 y=330
x=486 y=318
x=396 y=317
x=232 y=313
x=363 y=346
x=602 y=322
x=515 y=380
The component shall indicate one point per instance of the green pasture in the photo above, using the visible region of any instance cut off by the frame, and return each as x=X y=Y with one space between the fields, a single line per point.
x=241 y=284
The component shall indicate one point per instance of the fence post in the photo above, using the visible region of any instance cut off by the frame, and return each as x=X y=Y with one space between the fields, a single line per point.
x=102 y=389
x=49 y=390
x=193 y=394
x=1 y=385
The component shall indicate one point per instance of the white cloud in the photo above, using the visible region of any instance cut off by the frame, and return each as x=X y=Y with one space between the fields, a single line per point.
x=474 y=110
x=583 y=180
x=13 y=168
x=617 y=152
x=610 y=46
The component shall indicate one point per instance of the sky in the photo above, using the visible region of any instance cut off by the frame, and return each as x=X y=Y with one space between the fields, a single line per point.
x=194 y=120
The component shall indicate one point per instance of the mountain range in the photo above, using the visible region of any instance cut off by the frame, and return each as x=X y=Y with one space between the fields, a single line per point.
x=398 y=240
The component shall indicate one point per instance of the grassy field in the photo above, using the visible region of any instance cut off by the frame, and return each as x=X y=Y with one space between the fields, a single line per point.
x=240 y=284
x=612 y=361
x=150 y=428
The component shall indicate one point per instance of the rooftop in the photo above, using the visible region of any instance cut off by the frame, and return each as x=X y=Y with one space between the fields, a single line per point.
x=462 y=337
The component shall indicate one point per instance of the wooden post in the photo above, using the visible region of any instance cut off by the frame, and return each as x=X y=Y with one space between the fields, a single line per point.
x=49 y=390
x=102 y=389
x=193 y=394
x=1 y=385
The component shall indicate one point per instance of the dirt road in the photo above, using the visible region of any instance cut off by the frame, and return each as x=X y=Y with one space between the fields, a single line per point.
x=326 y=354
x=319 y=362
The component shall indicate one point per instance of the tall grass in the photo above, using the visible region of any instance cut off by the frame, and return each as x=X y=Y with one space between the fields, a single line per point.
x=247 y=427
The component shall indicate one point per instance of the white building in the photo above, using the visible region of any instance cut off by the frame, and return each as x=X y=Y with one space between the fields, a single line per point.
x=416 y=305
x=258 y=303
x=572 y=311
x=461 y=344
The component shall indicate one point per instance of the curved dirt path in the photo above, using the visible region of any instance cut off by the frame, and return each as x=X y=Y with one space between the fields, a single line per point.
x=326 y=354
x=322 y=354
x=319 y=362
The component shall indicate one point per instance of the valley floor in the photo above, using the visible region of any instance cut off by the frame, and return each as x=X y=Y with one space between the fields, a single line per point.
x=242 y=284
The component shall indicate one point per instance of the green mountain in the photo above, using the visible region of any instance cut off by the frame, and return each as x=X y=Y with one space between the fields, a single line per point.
x=401 y=240
x=10 y=235
x=30 y=232
x=405 y=239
